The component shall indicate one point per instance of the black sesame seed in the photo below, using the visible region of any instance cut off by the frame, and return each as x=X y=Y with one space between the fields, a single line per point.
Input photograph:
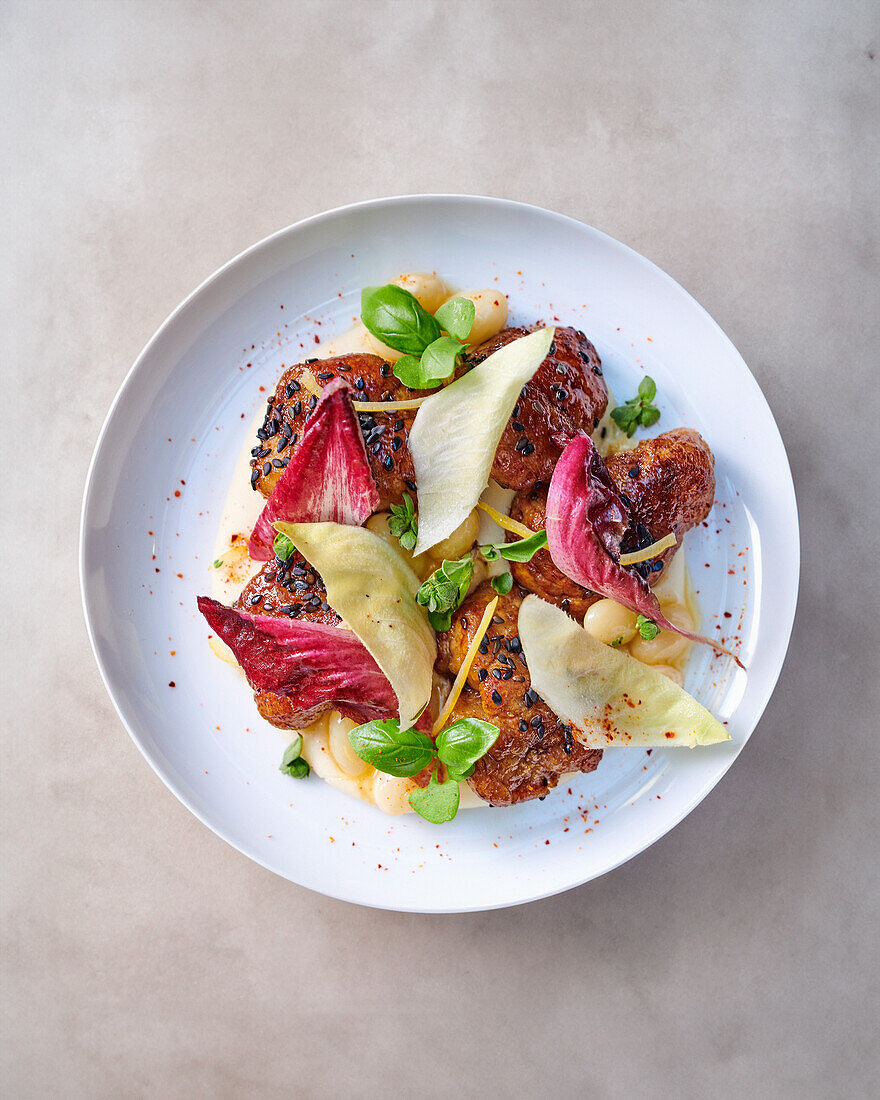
x=536 y=721
x=277 y=463
x=529 y=449
x=514 y=645
x=507 y=674
x=295 y=386
x=343 y=367
x=482 y=674
x=256 y=599
x=388 y=462
x=267 y=466
x=604 y=431
x=290 y=389
x=517 y=427
x=496 y=698
x=484 y=649
x=596 y=424
x=312 y=401
x=286 y=430
x=282 y=443
x=633 y=472
x=324 y=375
x=359 y=383
x=566 y=605
x=498 y=673
x=315 y=601
x=523 y=725
x=396 y=443
x=521 y=444
x=376 y=448
x=297 y=408
x=386 y=369
x=262 y=434
x=657 y=566
x=398 y=425
x=411 y=485
x=312 y=360
x=562 y=394
x=516 y=410
x=325 y=606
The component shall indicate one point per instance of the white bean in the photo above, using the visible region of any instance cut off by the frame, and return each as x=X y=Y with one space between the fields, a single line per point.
x=667 y=646
x=607 y=621
x=428 y=288
x=346 y=759
x=491 y=315
x=672 y=673
x=389 y=793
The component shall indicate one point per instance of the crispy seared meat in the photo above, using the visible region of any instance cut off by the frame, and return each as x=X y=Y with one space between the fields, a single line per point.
x=534 y=748
x=566 y=395
x=668 y=485
x=385 y=434
x=293 y=589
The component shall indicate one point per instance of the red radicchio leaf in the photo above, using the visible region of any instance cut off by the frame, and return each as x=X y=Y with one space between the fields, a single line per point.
x=586 y=521
x=328 y=476
x=317 y=666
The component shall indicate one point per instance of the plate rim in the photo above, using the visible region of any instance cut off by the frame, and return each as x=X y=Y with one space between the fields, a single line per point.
x=265 y=242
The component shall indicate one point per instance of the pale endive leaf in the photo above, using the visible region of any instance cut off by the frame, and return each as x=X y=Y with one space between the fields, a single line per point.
x=456 y=433
x=372 y=589
x=609 y=697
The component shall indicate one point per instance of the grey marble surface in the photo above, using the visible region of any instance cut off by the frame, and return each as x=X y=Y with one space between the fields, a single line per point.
x=735 y=144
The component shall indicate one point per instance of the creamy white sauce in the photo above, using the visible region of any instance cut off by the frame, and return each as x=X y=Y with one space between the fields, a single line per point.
x=325 y=742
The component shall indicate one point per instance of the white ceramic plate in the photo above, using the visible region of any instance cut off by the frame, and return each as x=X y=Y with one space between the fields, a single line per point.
x=159 y=477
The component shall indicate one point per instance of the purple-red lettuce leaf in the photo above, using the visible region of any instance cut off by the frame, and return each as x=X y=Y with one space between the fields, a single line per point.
x=328 y=476
x=586 y=521
x=313 y=664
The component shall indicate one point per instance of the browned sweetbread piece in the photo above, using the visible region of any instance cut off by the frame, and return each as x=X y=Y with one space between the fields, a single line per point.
x=668 y=485
x=534 y=749
x=566 y=395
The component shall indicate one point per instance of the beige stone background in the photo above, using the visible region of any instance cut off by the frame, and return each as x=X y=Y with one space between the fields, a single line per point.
x=735 y=144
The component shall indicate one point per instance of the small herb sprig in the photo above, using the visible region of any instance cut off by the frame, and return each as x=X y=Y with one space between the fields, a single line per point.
x=521 y=550
x=405 y=753
x=647 y=628
x=403 y=522
x=502 y=583
x=639 y=410
x=282 y=547
x=443 y=592
x=293 y=762
x=396 y=317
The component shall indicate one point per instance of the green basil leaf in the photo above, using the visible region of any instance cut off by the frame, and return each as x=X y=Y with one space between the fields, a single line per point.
x=447 y=586
x=394 y=316
x=403 y=524
x=460 y=776
x=439 y=360
x=390 y=749
x=523 y=550
x=438 y=802
x=463 y=743
x=282 y=546
x=626 y=418
x=650 y=415
x=409 y=370
x=459 y=573
x=293 y=750
x=440 y=621
x=298 y=769
x=218 y=563
x=503 y=583
x=457 y=317
x=647 y=388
